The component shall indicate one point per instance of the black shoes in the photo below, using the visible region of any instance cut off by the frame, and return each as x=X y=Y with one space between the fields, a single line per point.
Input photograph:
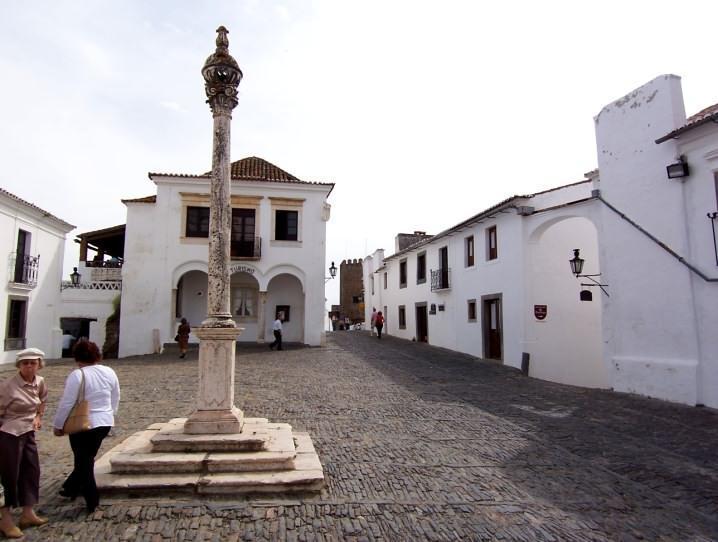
x=65 y=493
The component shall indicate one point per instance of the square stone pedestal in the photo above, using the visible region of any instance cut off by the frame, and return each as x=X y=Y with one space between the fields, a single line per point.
x=164 y=460
x=216 y=412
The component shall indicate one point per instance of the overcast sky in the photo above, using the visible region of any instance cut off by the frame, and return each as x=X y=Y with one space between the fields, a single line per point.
x=422 y=113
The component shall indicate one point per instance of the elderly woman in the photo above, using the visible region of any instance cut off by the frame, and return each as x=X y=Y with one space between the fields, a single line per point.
x=102 y=392
x=22 y=405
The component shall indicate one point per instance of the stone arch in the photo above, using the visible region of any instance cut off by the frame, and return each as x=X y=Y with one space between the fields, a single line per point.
x=193 y=265
x=567 y=344
x=287 y=269
x=286 y=290
x=190 y=296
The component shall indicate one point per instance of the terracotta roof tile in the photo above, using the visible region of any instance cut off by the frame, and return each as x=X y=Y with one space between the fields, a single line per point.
x=35 y=207
x=251 y=169
x=703 y=116
x=256 y=168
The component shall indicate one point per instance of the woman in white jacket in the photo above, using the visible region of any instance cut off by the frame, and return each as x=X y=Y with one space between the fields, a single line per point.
x=102 y=391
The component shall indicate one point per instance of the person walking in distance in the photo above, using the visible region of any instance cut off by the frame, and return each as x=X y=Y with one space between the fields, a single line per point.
x=183 y=331
x=373 y=321
x=379 y=323
x=277 y=330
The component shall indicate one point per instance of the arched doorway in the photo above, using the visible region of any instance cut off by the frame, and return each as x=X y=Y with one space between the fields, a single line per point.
x=564 y=332
x=284 y=293
x=191 y=297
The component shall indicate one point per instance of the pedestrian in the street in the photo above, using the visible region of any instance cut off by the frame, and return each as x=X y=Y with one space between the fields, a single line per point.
x=373 y=321
x=379 y=323
x=102 y=391
x=277 y=330
x=22 y=405
x=183 y=331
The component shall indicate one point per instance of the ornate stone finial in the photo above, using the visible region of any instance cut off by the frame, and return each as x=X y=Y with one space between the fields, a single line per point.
x=222 y=40
x=221 y=75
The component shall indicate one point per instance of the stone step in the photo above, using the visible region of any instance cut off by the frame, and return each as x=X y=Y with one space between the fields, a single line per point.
x=211 y=484
x=288 y=464
x=254 y=437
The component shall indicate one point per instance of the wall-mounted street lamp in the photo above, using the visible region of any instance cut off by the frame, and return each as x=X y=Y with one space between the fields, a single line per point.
x=75 y=277
x=332 y=273
x=74 y=280
x=678 y=169
x=576 y=264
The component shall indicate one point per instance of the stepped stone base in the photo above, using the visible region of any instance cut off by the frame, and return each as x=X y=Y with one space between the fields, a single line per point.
x=264 y=458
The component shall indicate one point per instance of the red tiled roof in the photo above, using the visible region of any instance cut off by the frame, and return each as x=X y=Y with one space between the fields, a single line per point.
x=35 y=207
x=146 y=199
x=251 y=169
x=703 y=116
x=256 y=168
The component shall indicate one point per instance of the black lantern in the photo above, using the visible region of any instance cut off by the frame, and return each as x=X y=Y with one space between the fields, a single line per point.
x=576 y=263
x=678 y=169
x=577 y=269
x=75 y=277
x=333 y=270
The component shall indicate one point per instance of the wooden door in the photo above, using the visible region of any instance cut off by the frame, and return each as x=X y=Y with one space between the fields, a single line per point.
x=492 y=328
x=422 y=323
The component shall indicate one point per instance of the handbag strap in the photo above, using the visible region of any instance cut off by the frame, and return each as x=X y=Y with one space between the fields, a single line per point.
x=81 y=391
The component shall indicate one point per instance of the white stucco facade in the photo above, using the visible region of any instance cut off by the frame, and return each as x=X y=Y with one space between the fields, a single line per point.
x=533 y=237
x=33 y=243
x=164 y=275
x=660 y=326
x=649 y=239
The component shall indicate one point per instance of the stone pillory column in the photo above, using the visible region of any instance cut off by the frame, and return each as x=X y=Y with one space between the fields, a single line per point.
x=216 y=412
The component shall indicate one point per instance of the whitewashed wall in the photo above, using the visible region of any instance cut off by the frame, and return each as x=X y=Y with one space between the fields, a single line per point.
x=92 y=304
x=531 y=268
x=701 y=193
x=156 y=257
x=44 y=304
x=649 y=322
x=566 y=346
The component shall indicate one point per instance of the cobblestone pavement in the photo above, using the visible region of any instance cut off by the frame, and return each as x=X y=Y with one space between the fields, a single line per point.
x=418 y=443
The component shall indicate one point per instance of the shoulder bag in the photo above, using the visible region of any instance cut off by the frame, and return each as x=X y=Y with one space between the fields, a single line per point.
x=79 y=417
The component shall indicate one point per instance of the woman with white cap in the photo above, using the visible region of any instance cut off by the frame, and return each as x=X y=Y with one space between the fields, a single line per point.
x=22 y=405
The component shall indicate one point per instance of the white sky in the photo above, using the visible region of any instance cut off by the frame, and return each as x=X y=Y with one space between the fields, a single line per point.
x=422 y=113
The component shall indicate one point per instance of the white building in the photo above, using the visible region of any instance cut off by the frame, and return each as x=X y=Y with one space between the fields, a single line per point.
x=34 y=243
x=88 y=304
x=277 y=252
x=499 y=286
x=474 y=286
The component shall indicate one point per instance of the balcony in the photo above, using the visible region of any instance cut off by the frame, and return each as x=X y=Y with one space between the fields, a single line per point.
x=24 y=269
x=440 y=279
x=246 y=249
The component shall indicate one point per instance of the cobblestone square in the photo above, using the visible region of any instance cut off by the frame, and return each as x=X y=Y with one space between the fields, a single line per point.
x=417 y=443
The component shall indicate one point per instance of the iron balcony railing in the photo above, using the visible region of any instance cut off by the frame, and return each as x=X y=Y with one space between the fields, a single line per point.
x=246 y=249
x=24 y=269
x=440 y=278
